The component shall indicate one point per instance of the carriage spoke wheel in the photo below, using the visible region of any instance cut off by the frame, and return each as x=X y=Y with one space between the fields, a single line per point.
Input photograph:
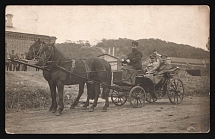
x=118 y=98
x=137 y=97
x=175 y=91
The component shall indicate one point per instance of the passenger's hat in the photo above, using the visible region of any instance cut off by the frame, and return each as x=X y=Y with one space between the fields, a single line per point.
x=164 y=56
x=134 y=43
x=152 y=56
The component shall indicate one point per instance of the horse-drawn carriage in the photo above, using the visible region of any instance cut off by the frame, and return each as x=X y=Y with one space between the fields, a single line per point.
x=141 y=90
x=95 y=72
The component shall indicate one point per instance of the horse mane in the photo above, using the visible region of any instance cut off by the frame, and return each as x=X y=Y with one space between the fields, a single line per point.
x=58 y=58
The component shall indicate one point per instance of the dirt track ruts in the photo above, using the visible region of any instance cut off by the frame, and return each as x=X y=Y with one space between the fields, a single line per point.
x=161 y=117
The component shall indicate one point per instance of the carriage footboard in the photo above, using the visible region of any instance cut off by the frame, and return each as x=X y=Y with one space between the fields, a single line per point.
x=120 y=88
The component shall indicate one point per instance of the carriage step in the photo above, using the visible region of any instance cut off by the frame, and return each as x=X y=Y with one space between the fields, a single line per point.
x=121 y=88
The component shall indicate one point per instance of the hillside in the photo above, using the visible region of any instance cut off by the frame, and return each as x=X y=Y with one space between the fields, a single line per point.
x=78 y=51
x=122 y=47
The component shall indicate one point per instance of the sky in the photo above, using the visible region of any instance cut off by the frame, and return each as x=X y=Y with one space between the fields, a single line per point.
x=180 y=24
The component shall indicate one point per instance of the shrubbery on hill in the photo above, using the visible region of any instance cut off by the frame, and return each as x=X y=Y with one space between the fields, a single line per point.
x=122 y=47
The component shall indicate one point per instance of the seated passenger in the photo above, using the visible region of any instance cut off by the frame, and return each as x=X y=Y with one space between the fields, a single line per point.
x=153 y=64
x=164 y=65
x=158 y=56
x=154 y=76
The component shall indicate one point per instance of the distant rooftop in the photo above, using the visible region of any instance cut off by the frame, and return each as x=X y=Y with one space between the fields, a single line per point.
x=186 y=60
x=14 y=29
x=10 y=28
x=107 y=55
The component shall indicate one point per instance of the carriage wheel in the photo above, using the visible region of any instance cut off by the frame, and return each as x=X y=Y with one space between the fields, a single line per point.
x=175 y=91
x=118 y=98
x=150 y=99
x=137 y=97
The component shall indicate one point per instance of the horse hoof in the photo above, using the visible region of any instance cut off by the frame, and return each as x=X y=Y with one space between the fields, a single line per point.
x=53 y=111
x=57 y=113
x=91 y=110
x=72 y=107
x=50 y=109
x=104 y=109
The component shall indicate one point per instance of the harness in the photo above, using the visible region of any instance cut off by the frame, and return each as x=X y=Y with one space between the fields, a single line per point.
x=36 y=56
x=87 y=69
x=47 y=58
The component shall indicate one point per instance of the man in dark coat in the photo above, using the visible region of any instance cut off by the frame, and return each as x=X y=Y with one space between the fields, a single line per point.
x=13 y=64
x=134 y=58
x=134 y=63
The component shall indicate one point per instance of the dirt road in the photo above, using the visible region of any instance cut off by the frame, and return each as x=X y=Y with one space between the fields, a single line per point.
x=161 y=117
x=192 y=115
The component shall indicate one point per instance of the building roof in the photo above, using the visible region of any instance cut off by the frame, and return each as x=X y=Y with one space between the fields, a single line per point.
x=14 y=29
x=18 y=30
x=186 y=60
x=108 y=55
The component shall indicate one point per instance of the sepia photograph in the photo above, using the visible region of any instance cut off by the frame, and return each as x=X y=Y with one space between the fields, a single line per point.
x=107 y=69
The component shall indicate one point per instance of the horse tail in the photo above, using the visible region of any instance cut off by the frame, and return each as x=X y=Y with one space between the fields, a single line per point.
x=106 y=90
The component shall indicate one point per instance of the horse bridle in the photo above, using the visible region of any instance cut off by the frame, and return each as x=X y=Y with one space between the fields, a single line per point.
x=37 y=56
x=46 y=59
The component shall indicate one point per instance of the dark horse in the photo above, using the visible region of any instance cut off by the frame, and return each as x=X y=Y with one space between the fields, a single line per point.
x=92 y=71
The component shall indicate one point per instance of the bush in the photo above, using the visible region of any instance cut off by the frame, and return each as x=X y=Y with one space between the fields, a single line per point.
x=26 y=98
x=195 y=85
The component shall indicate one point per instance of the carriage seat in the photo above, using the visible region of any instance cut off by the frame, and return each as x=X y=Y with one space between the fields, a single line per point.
x=140 y=73
x=171 y=70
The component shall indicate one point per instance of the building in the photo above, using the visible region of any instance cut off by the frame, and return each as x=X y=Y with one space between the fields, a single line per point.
x=20 y=40
x=192 y=63
x=115 y=65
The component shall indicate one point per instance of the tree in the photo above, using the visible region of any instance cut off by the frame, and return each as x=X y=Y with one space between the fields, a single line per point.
x=208 y=44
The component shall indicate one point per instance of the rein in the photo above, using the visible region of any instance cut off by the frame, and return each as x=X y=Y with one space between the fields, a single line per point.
x=46 y=61
x=36 y=56
x=81 y=76
x=47 y=58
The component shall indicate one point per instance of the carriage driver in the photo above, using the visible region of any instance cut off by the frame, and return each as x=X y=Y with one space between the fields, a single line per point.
x=134 y=58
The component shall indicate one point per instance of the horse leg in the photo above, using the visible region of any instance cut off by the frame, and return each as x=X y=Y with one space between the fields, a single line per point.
x=97 y=92
x=106 y=91
x=10 y=67
x=60 y=88
x=86 y=103
x=14 y=67
x=89 y=90
x=52 y=87
x=80 y=92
